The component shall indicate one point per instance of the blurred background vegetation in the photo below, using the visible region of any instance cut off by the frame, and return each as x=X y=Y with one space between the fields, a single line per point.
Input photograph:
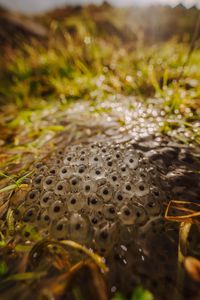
x=88 y=52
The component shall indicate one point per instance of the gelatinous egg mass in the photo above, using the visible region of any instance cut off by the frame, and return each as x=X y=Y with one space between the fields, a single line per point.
x=89 y=193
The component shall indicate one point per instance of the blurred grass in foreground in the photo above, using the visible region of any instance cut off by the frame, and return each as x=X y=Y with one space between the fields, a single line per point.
x=138 y=294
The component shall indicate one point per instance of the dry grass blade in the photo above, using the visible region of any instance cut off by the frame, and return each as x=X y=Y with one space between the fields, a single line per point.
x=182 y=248
x=18 y=184
x=189 y=216
x=99 y=283
x=59 y=284
x=4 y=207
x=95 y=257
x=177 y=204
x=45 y=243
x=183 y=236
x=187 y=219
x=24 y=276
x=10 y=221
x=8 y=188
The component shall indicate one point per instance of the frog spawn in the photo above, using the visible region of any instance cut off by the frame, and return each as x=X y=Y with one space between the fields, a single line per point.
x=88 y=193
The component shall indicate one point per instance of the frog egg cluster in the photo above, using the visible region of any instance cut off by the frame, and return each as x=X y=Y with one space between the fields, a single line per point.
x=90 y=193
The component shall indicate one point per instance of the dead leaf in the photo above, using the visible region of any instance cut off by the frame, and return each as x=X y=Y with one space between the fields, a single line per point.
x=192 y=266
